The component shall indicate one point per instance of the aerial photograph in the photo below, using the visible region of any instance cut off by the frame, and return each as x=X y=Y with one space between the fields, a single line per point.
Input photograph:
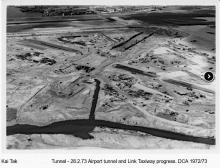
x=110 y=77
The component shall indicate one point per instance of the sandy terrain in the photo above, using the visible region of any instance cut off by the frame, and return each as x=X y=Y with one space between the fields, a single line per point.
x=52 y=76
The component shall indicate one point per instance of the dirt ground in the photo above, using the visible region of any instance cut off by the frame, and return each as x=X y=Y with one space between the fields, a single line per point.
x=46 y=83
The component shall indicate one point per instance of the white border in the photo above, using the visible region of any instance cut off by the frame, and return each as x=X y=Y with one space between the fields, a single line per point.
x=101 y=152
x=111 y=2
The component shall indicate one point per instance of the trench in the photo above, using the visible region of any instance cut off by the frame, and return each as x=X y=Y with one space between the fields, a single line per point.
x=94 y=100
x=59 y=47
x=83 y=127
x=134 y=70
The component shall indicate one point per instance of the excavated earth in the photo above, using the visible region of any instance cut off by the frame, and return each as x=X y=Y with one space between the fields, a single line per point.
x=120 y=85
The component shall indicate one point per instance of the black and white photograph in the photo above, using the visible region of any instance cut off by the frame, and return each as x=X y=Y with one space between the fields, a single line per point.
x=111 y=77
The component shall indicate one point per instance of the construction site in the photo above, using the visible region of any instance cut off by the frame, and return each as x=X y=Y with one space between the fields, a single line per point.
x=111 y=82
